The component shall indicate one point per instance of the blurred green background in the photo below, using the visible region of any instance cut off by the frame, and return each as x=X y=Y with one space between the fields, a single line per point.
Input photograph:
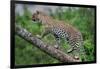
x=81 y=18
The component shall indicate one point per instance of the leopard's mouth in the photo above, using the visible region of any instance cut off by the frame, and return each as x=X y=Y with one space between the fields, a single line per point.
x=35 y=21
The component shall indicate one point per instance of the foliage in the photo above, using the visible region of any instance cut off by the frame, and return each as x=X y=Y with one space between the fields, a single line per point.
x=81 y=18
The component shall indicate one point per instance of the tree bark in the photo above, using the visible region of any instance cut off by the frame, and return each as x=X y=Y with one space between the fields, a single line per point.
x=51 y=50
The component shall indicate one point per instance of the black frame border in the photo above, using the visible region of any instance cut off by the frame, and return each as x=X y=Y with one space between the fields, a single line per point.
x=12 y=33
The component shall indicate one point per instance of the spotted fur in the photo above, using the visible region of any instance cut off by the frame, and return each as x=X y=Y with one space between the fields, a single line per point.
x=60 y=30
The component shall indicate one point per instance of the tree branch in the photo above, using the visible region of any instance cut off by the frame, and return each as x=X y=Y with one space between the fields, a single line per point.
x=52 y=51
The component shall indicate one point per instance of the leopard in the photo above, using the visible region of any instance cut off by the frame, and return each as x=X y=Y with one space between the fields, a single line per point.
x=60 y=29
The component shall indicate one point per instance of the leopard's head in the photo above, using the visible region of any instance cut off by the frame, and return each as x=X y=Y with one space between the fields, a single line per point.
x=35 y=16
x=40 y=17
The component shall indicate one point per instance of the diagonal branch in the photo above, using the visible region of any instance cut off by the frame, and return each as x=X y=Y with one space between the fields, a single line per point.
x=52 y=51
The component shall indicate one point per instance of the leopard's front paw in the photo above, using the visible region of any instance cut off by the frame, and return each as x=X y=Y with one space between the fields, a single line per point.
x=38 y=36
x=56 y=46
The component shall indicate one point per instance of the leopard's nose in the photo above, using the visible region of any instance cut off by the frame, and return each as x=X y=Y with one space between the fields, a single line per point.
x=33 y=19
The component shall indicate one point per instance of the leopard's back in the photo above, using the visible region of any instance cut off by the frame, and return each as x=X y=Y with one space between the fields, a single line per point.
x=73 y=36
